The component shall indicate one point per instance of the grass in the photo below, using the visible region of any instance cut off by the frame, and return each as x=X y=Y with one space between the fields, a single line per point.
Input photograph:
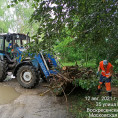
x=89 y=64
x=79 y=104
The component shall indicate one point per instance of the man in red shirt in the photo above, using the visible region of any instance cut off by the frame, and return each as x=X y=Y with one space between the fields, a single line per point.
x=106 y=74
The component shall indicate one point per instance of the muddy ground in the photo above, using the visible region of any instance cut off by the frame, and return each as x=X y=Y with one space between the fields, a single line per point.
x=18 y=102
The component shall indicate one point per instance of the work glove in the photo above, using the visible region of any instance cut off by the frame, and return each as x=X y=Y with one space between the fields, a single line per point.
x=97 y=73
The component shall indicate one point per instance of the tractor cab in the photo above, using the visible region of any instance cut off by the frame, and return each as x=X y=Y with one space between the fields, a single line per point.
x=12 y=44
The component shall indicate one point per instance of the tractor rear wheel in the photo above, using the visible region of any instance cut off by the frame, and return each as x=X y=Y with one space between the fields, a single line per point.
x=27 y=76
x=3 y=70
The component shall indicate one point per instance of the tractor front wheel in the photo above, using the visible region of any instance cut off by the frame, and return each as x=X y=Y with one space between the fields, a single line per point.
x=27 y=76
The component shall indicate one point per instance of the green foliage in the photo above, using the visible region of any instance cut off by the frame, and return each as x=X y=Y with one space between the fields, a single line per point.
x=4 y=22
x=116 y=61
x=116 y=67
x=66 y=50
x=115 y=81
x=91 y=64
x=78 y=105
x=17 y=18
x=91 y=24
x=3 y=27
x=82 y=62
x=87 y=84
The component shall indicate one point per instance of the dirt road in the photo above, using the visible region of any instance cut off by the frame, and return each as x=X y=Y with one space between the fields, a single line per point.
x=27 y=103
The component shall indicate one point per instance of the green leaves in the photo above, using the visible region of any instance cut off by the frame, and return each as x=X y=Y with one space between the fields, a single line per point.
x=86 y=79
x=87 y=84
x=89 y=23
x=4 y=22
x=116 y=61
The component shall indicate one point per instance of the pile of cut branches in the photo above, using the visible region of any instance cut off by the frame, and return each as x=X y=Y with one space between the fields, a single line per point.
x=83 y=77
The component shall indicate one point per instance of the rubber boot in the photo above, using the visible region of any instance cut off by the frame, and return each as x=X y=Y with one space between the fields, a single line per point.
x=98 y=92
x=110 y=94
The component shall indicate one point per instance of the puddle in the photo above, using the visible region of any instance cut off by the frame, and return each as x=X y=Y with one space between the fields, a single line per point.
x=7 y=94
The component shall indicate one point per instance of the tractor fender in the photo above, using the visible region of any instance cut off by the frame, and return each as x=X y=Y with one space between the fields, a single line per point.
x=19 y=65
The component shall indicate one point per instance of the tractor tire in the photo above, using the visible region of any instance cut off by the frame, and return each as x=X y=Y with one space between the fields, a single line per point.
x=38 y=78
x=27 y=76
x=3 y=70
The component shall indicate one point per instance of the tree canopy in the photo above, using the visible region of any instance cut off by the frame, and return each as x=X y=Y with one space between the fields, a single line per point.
x=4 y=23
x=92 y=25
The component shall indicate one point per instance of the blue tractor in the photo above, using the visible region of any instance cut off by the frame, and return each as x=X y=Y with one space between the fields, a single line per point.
x=27 y=71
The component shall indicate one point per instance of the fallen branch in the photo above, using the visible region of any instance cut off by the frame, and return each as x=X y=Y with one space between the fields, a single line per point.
x=67 y=76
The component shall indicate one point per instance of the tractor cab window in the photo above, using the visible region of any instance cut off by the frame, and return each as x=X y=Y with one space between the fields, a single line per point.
x=1 y=43
x=8 y=46
x=16 y=43
x=21 y=41
x=24 y=42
